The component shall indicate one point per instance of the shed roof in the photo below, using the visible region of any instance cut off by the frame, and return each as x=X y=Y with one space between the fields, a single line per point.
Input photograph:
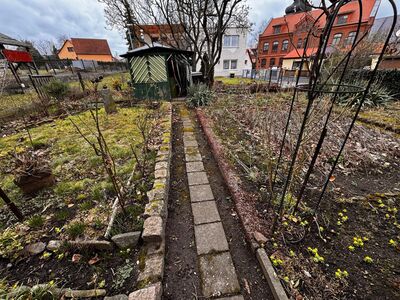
x=6 y=40
x=155 y=48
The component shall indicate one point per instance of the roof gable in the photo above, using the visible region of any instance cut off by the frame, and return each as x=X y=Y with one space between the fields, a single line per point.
x=288 y=22
x=91 y=46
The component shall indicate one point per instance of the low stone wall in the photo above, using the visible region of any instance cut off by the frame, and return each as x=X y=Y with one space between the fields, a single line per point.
x=152 y=259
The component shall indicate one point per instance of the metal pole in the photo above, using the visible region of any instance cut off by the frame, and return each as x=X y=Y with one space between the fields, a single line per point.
x=11 y=205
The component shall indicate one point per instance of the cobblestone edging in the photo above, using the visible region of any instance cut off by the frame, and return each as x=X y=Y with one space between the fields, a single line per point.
x=233 y=183
x=151 y=263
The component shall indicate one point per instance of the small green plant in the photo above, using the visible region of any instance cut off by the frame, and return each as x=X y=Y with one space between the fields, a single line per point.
x=351 y=248
x=10 y=244
x=122 y=274
x=316 y=257
x=368 y=260
x=62 y=215
x=199 y=95
x=358 y=242
x=393 y=243
x=36 y=221
x=277 y=262
x=75 y=229
x=339 y=274
x=57 y=89
x=86 y=205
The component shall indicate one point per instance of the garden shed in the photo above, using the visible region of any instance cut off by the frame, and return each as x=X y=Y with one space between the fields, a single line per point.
x=159 y=72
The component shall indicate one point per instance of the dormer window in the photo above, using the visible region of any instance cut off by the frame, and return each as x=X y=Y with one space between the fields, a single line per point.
x=342 y=19
x=277 y=29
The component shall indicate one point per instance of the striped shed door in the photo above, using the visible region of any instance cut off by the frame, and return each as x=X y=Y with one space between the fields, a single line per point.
x=149 y=69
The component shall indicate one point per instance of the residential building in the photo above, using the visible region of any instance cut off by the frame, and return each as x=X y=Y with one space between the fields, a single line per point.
x=164 y=34
x=381 y=26
x=234 y=57
x=282 y=42
x=86 y=49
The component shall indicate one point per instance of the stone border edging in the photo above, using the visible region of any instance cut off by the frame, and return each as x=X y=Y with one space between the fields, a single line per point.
x=234 y=183
x=156 y=212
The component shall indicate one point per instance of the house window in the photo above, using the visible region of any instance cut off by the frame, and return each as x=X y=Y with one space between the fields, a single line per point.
x=342 y=19
x=245 y=61
x=350 y=39
x=70 y=49
x=226 y=64
x=234 y=64
x=299 y=44
x=285 y=45
x=231 y=41
x=275 y=46
x=336 y=39
x=281 y=61
x=266 y=47
x=263 y=63
x=230 y=64
x=272 y=62
x=277 y=29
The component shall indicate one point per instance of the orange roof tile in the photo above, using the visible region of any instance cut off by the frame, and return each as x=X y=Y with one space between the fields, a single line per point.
x=90 y=46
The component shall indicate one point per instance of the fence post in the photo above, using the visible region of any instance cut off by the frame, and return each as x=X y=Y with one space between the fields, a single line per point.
x=81 y=81
x=94 y=66
x=51 y=66
x=83 y=65
x=70 y=66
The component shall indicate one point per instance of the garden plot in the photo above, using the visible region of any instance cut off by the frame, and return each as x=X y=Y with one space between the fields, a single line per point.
x=74 y=213
x=351 y=248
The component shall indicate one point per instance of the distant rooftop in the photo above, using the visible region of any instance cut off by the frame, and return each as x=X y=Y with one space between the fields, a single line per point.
x=383 y=25
x=6 y=40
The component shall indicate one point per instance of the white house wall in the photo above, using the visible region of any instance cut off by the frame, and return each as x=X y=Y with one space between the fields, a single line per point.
x=234 y=53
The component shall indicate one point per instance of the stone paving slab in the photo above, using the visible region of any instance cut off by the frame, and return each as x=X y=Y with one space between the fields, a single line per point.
x=201 y=193
x=190 y=143
x=218 y=275
x=197 y=178
x=210 y=238
x=238 y=297
x=194 y=166
x=193 y=157
x=205 y=212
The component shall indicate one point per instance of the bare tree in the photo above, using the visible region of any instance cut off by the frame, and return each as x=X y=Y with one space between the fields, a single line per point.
x=198 y=25
x=45 y=47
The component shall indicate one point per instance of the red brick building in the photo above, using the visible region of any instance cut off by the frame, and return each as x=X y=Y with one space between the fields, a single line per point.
x=281 y=44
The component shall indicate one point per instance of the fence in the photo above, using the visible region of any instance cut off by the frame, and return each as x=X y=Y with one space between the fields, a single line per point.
x=38 y=81
x=277 y=76
x=57 y=66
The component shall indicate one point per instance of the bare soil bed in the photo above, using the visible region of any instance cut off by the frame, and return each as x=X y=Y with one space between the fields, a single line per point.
x=350 y=249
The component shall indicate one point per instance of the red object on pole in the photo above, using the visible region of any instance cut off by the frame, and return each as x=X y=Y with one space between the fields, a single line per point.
x=16 y=56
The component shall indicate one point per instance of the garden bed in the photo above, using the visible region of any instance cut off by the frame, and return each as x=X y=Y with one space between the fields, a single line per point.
x=350 y=250
x=76 y=211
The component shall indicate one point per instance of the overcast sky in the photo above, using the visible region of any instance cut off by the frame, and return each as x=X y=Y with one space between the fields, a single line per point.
x=48 y=19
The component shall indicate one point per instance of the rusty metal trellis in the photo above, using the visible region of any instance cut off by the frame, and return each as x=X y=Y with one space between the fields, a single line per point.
x=318 y=86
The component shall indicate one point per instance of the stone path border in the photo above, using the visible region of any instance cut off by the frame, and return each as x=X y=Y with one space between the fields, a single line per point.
x=152 y=265
x=232 y=181
x=217 y=272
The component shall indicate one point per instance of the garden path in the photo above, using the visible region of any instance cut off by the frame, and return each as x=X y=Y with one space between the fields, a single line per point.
x=207 y=255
